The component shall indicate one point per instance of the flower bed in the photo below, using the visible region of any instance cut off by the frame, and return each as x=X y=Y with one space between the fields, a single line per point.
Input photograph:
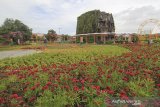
x=132 y=75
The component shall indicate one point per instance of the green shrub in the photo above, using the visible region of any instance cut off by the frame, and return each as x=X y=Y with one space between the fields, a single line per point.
x=135 y=39
x=156 y=41
x=3 y=40
x=109 y=42
x=27 y=43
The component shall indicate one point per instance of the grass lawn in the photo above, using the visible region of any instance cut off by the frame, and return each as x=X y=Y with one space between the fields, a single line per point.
x=64 y=54
x=6 y=48
x=15 y=47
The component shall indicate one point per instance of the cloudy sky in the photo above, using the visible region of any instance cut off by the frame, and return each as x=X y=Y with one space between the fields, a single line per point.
x=42 y=15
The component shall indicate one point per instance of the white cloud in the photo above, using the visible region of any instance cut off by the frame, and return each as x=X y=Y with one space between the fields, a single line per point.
x=42 y=15
x=129 y=20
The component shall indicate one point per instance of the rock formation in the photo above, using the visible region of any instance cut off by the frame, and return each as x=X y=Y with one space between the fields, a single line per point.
x=95 y=22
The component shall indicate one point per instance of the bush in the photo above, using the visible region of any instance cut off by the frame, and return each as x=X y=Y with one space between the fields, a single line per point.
x=109 y=42
x=27 y=43
x=156 y=41
x=99 y=42
x=2 y=40
x=135 y=39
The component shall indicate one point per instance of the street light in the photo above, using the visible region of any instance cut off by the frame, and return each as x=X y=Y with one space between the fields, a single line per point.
x=59 y=30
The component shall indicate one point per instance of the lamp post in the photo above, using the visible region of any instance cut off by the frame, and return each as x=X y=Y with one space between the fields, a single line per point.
x=59 y=30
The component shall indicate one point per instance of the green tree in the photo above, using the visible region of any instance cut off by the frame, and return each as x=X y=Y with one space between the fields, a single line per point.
x=135 y=38
x=11 y=25
x=7 y=26
x=51 y=35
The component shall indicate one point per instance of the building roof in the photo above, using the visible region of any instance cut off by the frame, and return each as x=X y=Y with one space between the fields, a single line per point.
x=96 y=33
x=38 y=34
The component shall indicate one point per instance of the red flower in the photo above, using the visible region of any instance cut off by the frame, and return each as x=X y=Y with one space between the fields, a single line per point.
x=49 y=83
x=27 y=83
x=123 y=95
x=82 y=81
x=82 y=88
x=55 y=85
x=38 y=84
x=54 y=66
x=103 y=91
x=120 y=71
x=110 y=92
x=31 y=73
x=33 y=88
x=32 y=99
x=108 y=88
x=158 y=85
x=67 y=87
x=19 y=98
x=98 y=92
x=75 y=88
x=1 y=100
x=125 y=79
x=139 y=57
x=14 y=96
x=45 y=87
x=25 y=90
x=129 y=73
x=74 y=80
x=96 y=87
x=90 y=80
x=21 y=102
x=109 y=76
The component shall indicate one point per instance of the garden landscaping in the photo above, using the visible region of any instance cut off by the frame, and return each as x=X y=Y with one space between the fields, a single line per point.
x=82 y=76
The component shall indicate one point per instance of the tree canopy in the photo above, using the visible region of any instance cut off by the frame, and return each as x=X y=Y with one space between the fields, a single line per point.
x=51 y=31
x=51 y=35
x=11 y=25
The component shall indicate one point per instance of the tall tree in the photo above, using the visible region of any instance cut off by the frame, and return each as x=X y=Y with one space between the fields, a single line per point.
x=11 y=25
x=51 y=35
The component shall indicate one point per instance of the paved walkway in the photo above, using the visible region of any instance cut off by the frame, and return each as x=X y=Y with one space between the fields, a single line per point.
x=14 y=53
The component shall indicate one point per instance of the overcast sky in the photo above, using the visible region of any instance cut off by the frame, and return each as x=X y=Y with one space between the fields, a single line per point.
x=42 y=15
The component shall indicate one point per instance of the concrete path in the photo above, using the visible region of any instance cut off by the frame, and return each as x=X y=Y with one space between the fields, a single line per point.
x=14 y=53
